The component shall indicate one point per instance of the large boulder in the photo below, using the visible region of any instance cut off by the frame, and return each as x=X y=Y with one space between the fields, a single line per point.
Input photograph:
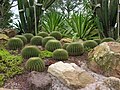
x=70 y=74
x=39 y=81
x=105 y=59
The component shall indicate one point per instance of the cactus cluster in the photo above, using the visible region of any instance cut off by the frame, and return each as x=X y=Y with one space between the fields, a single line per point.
x=46 y=39
x=89 y=44
x=60 y=54
x=30 y=51
x=65 y=45
x=98 y=40
x=28 y=36
x=107 y=40
x=15 y=43
x=75 y=49
x=23 y=38
x=52 y=45
x=43 y=34
x=36 y=40
x=35 y=64
x=56 y=35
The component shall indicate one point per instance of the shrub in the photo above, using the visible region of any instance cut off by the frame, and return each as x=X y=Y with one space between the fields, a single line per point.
x=107 y=40
x=36 y=40
x=46 y=54
x=60 y=54
x=30 y=51
x=56 y=35
x=89 y=44
x=28 y=36
x=43 y=34
x=75 y=49
x=51 y=45
x=65 y=45
x=35 y=64
x=46 y=39
x=98 y=40
x=15 y=43
x=23 y=38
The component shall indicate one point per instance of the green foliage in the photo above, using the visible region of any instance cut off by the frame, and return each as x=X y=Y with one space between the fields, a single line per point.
x=89 y=44
x=98 y=40
x=30 y=51
x=23 y=38
x=52 y=45
x=107 y=40
x=36 y=40
x=60 y=54
x=65 y=45
x=2 y=79
x=43 y=34
x=46 y=39
x=75 y=49
x=56 y=35
x=28 y=36
x=35 y=64
x=46 y=54
x=15 y=43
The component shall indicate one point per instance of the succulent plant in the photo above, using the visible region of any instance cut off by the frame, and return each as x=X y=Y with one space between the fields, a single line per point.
x=23 y=38
x=60 y=54
x=36 y=40
x=98 y=40
x=107 y=40
x=56 y=35
x=43 y=34
x=28 y=36
x=52 y=45
x=15 y=43
x=46 y=39
x=75 y=49
x=65 y=45
x=30 y=51
x=35 y=64
x=89 y=44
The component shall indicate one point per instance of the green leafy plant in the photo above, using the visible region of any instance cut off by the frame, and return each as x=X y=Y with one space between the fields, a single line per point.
x=52 y=45
x=46 y=39
x=35 y=64
x=60 y=54
x=43 y=34
x=36 y=40
x=15 y=43
x=28 y=36
x=30 y=51
x=56 y=35
x=46 y=54
x=65 y=45
x=2 y=79
x=107 y=40
x=23 y=38
x=75 y=49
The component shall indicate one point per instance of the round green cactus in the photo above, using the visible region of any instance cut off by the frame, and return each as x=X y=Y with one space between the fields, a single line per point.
x=65 y=45
x=35 y=64
x=46 y=39
x=28 y=36
x=52 y=45
x=60 y=54
x=43 y=34
x=98 y=40
x=36 y=40
x=15 y=43
x=30 y=51
x=89 y=44
x=23 y=38
x=56 y=35
x=107 y=40
x=75 y=49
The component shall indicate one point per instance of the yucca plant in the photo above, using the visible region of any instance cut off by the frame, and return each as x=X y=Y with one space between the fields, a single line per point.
x=35 y=64
x=31 y=11
x=82 y=26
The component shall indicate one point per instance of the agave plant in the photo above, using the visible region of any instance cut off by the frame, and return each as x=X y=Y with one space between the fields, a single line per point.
x=82 y=26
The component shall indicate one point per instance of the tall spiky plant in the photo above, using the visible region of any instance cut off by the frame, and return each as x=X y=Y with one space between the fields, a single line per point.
x=30 y=12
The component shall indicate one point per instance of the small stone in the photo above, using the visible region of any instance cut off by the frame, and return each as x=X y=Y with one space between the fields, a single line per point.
x=7 y=89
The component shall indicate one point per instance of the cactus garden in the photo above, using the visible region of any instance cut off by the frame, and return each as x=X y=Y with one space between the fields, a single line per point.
x=59 y=44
